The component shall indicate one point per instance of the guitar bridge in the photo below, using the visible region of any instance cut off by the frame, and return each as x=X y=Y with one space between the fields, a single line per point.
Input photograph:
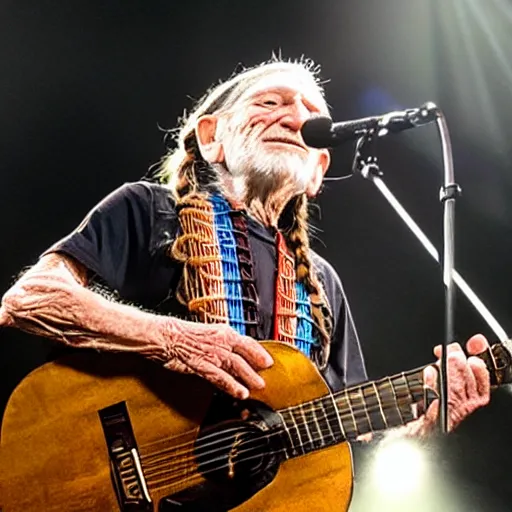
x=125 y=468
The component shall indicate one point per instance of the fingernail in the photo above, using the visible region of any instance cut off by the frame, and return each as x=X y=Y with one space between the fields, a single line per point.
x=244 y=394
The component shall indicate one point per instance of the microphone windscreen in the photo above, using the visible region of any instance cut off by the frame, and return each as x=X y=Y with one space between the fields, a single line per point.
x=316 y=132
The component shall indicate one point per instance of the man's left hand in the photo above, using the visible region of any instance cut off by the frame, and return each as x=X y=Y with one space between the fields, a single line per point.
x=468 y=382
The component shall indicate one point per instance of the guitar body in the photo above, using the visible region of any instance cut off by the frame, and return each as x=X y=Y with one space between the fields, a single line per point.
x=54 y=454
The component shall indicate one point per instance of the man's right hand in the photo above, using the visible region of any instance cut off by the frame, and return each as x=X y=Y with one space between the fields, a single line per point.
x=217 y=353
x=51 y=299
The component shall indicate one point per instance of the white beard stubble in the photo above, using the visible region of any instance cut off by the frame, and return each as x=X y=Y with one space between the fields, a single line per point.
x=260 y=171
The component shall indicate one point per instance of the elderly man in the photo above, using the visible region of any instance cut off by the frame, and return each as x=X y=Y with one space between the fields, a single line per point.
x=217 y=255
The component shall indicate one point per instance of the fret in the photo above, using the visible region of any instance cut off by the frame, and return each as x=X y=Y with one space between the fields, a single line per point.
x=394 y=413
x=329 y=423
x=381 y=408
x=313 y=424
x=347 y=417
x=295 y=447
x=302 y=424
x=333 y=415
x=415 y=384
x=389 y=403
x=352 y=416
x=358 y=410
x=376 y=418
x=372 y=407
x=405 y=397
x=307 y=420
x=380 y=404
x=326 y=420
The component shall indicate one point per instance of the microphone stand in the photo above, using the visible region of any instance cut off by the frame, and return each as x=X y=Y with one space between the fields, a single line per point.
x=366 y=163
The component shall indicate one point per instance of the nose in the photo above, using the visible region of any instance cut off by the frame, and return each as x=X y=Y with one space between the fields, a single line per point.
x=295 y=116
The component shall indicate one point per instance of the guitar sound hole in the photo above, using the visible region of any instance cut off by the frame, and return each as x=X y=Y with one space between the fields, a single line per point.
x=238 y=452
x=233 y=450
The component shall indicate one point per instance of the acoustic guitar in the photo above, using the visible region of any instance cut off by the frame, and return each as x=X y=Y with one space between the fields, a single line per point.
x=112 y=432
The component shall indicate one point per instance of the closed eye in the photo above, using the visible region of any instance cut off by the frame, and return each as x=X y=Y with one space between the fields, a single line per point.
x=270 y=100
x=269 y=103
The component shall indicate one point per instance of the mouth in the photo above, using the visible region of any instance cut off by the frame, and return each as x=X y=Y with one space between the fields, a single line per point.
x=288 y=142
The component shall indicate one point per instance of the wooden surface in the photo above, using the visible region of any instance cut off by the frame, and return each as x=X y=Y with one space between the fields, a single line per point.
x=53 y=455
x=319 y=481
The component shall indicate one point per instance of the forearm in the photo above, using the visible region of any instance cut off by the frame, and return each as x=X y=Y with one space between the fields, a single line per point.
x=64 y=310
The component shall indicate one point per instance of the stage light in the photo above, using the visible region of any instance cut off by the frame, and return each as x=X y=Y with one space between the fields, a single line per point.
x=399 y=467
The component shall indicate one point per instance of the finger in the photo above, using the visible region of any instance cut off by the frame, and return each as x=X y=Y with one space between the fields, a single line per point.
x=5 y=319
x=461 y=380
x=222 y=379
x=477 y=344
x=236 y=365
x=432 y=412
x=253 y=352
x=481 y=375
x=452 y=347
x=430 y=377
x=365 y=438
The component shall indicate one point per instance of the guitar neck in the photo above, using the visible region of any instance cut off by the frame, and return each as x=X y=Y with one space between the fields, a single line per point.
x=374 y=406
x=382 y=404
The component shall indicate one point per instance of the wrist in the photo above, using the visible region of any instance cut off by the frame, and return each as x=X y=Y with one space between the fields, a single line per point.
x=420 y=427
x=171 y=331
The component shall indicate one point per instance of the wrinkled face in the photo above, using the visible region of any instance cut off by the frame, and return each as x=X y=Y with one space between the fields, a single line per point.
x=260 y=133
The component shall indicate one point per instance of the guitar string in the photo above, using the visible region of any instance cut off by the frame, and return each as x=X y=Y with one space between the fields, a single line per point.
x=199 y=445
x=152 y=469
x=355 y=410
x=170 y=474
x=199 y=476
x=193 y=432
x=178 y=466
x=346 y=395
x=168 y=480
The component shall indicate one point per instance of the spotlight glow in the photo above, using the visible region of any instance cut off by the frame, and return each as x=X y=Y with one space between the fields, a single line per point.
x=399 y=467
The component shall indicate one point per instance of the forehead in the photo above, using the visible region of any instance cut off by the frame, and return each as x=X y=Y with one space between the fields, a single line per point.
x=298 y=82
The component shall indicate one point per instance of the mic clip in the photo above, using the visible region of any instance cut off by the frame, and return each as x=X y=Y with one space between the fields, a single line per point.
x=365 y=160
x=451 y=191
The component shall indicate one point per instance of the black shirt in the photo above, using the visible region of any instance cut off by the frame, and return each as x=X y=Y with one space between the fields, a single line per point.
x=124 y=242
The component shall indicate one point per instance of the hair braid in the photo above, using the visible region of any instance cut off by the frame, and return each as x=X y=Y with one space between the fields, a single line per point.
x=192 y=180
x=297 y=238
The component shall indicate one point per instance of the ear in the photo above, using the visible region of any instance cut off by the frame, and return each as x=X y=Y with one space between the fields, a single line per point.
x=211 y=150
x=324 y=160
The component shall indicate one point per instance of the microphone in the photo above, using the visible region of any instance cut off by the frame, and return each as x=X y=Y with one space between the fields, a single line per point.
x=321 y=132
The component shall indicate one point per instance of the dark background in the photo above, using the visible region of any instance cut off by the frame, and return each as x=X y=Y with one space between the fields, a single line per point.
x=85 y=86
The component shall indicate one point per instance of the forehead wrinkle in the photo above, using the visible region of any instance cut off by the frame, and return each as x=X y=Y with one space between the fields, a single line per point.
x=292 y=82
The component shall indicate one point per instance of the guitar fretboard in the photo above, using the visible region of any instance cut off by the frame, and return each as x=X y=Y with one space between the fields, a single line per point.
x=370 y=407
